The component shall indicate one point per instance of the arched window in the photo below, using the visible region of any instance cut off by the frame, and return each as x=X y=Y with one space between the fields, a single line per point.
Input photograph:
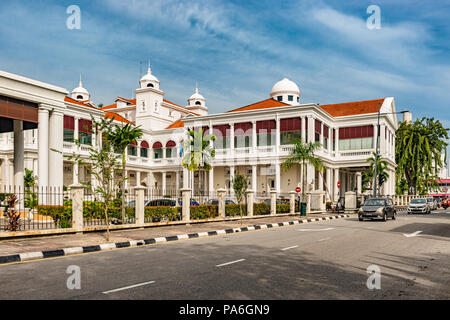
x=132 y=149
x=157 y=150
x=144 y=149
x=79 y=97
x=150 y=85
x=171 y=149
x=198 y=103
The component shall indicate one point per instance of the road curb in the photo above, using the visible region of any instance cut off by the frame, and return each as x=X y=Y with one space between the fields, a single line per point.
x=136 y=243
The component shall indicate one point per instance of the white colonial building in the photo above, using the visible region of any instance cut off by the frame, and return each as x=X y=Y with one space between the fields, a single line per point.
x=253 y=140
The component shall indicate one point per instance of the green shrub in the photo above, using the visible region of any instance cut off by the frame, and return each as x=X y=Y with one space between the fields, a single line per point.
x=156 y=214
x=283 y=208
x=204 y=212
x=61 y=215
x=232 y=210
x=261 y=209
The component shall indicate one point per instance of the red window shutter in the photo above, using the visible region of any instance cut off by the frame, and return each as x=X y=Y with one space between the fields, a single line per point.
x=69 y=123
x=318 y=126
x=221 y=130
x=157 y=145
x=170 y=144
x=267 y=126
x=243 y=129
x=144 y=144
x=291 y=124
x=356 y=132
x=85 y=126
x=326 y=131
x=134 y=143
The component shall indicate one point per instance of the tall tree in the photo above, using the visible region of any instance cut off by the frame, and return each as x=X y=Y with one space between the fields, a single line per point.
x=419 y=147
x=302 y=154
x=198 y=151
x=381 y=165
x=240 y=186
x=121 y=137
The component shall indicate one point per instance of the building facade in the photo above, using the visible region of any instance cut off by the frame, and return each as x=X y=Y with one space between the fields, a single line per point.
x=253 y=140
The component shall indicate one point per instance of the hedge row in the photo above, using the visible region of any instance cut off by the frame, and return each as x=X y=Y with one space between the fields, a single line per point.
x=156 y=214
x=61 y=215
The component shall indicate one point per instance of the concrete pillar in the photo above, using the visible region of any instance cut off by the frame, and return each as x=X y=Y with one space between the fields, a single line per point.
x=77 y=194
x=55 y=159
x=320 y=176
x=292 y=196
x=337 y=141
x=329 y=185
x=185 y=178
x=232 y=139
x=75 y=173
x=277 y=137
x=140 y=205
x=277 y=177
x=254 y=178
x=254 y=138
x=221 y=199
x=164 y=183
x=43 y=152
x=358 y=183
x=231 y=180
x=18 y=157
x=273 y=202
x=335 y=187
x=211 y=182
x=177 y=182
x=250 y=201
x=138 y=178
x=186 y=213
x=304 y=129
x=311 y=125
x=350 y=202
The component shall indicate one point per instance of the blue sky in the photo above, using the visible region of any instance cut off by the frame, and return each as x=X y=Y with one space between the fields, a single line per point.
x=236 y=50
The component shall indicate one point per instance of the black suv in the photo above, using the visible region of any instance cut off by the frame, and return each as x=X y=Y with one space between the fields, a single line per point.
x=377 y=208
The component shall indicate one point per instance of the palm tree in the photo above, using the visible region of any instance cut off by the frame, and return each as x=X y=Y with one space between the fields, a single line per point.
x=381 y=167
x=198 y=151
x=302 y=154
x=121 y=137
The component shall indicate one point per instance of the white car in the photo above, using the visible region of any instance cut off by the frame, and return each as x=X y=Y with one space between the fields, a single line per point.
x=432 y=202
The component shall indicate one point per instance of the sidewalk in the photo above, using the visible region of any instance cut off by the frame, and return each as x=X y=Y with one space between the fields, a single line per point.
x=18 y=246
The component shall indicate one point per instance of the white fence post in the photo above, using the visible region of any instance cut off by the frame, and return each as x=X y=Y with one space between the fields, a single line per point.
x=221 y=204
x=250 y=203
x=77 y=192
x=273 y=202
x=140 y=205
x=292 y=194
x=186 y=209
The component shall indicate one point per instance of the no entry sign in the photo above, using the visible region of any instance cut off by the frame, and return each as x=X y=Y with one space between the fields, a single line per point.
x=339 y=184
x=298 y=189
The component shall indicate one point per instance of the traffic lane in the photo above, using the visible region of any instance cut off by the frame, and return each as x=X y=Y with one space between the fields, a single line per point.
x=166 y=270
x=34 y=278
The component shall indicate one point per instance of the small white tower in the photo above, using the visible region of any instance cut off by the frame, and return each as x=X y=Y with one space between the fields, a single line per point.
x=197 y=103
x=286 y=91
x=149 y=80
x=80 y=93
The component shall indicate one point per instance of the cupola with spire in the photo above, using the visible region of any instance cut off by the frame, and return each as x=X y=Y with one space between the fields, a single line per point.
x=149 y=80
x=80 y=93
x=197 y=103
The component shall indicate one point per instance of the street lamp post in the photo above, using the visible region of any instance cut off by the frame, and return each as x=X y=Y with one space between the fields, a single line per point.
x=377 y=148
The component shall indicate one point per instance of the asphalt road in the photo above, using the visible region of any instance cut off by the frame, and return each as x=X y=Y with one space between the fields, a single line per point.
x=322 y=260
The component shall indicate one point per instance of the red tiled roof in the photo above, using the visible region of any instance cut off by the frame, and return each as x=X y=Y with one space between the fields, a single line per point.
x=352 y=108
x=268 y=103
x=176 y=124
x=81 y=103
x=117 y=117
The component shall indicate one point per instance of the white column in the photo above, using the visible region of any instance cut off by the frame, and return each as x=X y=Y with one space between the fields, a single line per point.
x=56 y=135
x=232 y=139
x=277 y=136
x=75 y=173
x=303 y=129
x=177 y=183
x=335 y=188
x=254 y=142
x=375 y=135
x=5 y=174
x=231 y=180
x=382 y=140
x=329 y=195
x=138 y=178
x=358 y=183
x=211 y=182
x=163 y=183
x=277 y=177
x=337 y=141
x=43 y=145
x=320 y=177
x=321 y=134
x=18 y=155
x=311 y=129
x=75 y=131
x=254 y=178
x=185 y=178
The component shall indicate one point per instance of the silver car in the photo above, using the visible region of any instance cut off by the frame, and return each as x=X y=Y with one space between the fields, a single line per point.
x=432 y=202
x=419 y=205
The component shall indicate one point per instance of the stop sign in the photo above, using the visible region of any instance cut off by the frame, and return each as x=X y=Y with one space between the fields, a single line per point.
x=339 y=184
x=298 y=189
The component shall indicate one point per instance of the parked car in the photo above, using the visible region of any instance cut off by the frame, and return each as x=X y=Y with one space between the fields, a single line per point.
x=192 y=203
x=215 y=202
x=131 y=204
x=432 y=202
x=419 y=205
x=161 y=203
x=377 y=208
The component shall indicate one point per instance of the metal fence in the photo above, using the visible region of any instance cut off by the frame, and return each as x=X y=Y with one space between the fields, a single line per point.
x=34 y=208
